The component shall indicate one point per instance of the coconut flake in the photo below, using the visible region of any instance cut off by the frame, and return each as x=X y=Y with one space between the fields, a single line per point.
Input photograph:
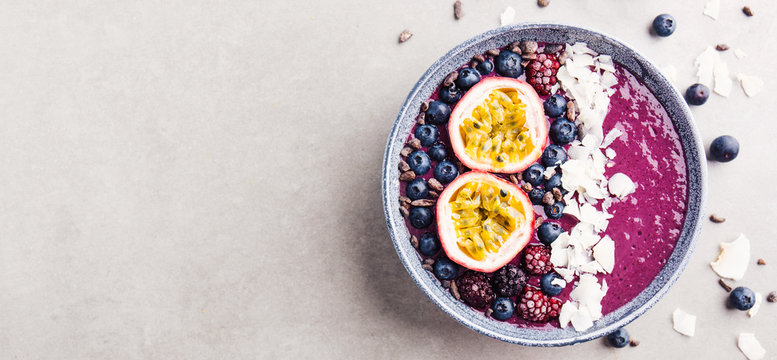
x=683 y=322
x=620 y=185
x=733 y=258
x=752 y=85
x=508 y=16
x=581 y=320
x=712 y=9
x=749 y=345
x=610 y=153
x=759 y=298
x=704 y=63
x=611 y=137
x=568 y=309
x=604 y=253
x=723 y=82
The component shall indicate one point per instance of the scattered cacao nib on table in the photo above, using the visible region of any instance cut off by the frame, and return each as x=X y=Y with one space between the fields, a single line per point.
x=717 y=219
x=721 y=47
x=761 y=262
x=772 y=297
x=725 y=286
x=747 y=11
x=543 y=3
x=457 y=10
x=405 y=36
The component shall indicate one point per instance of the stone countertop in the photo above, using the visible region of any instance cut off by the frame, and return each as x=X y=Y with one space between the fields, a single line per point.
x=193 y=180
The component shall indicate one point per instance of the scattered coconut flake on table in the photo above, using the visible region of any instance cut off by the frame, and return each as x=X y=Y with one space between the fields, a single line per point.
x=739 y=53
x=723 y=82
x=712 y=9
x=704 y=64
x=683 y=322
x=749 y=345
x=752 y=85
x=508 y=16
x=733 y=258
x=759 y=298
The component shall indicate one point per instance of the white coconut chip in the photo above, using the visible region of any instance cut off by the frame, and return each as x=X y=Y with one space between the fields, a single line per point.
x=752 y=85
x=733 y=258
x=508 y=16
x=620 y=185
x=610 y=153
x=723 y=82
x=749 y=345
x=712 y=9
x=613 y=135
x=683 y=322
x=759 y=298
x=704 y=64
x=604 y=253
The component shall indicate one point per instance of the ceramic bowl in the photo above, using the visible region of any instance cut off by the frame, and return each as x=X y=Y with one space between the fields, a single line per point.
x=669 y=97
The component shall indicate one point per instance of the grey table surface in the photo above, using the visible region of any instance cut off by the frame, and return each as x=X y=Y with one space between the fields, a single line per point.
x=201 y=179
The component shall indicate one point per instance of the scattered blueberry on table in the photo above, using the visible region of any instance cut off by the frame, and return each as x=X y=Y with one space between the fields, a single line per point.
x=724 y=148
x=619 y=338
x=697 y=94
x=664 y=25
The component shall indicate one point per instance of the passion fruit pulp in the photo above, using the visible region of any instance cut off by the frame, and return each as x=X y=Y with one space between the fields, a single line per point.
x=483 y=222
x=499 y=126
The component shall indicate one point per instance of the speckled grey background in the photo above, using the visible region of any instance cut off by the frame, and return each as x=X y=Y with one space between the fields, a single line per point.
x=201 y=180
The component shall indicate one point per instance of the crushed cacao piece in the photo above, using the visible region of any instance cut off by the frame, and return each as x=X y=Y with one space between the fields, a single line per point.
x=513 y=179
x=429 y=261
x=633 y=343
x=427 y=267
x=446 y=284
x=433 y=194
x=543 y=3
x=526 y=187
x=772 y=297
x=717 y=219
x=747 y=11
x=423 y=202
x=403 y=166
x=557 y=194
x=493 y=52
x=472 y=64
x=425 y=105
x=725 y=286
x=479 y=58
x=721 y=47
x=537 y=222
x=407 y=176
x=455 y=290
x=548 y=198
x=450 y=78
x=531 y=56
x=761 y=262
x=435 y=184
x=562 y=59
x=515 y=47
x=405 y=151
x=529 y=47
x=414 y=143
x=405 y=200
x=404 y=211
x=489 y=311
x=554 y=48
x=524 y=63
x=572 y=111
x=422 y=118
x=405 y=36
x=414 y=241
x=457 y=10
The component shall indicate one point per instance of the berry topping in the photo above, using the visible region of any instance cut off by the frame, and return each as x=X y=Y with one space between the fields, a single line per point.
x=533 y=174
x=420 y=217
x=508 y=64
x=445 y=171
x=563 y=131
x=533 y=305
x=555 y=307
x=485 y=68
x=536 y=259
x=437 y=152
x=664 y=25
x=548 y=232
x=741 y=298
x=427 y=134
x=445 y=269
x=535 y=195
x=697 y=94
x=619 y=339
x=555 y=105
x=541 y=73
x=503 y=308
x=553 y=182
x=419 y=162
x=508 y=280
x=553 y=155
x=450 y=94
x=475 y=289
x=555 y=210
x=428 y=244
x=724 y=148
x=417 y=189
x=468 y=77
x=438 y=113
x=551 y=284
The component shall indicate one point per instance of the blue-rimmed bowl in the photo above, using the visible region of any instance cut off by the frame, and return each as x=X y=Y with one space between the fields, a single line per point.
x=669 y=97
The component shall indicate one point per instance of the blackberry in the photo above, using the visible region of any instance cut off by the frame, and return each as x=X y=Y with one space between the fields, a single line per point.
x=475 y=289
x=508 y=280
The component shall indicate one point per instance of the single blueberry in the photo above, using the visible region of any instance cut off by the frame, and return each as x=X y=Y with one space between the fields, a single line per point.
x=445 y=269
x=417 y=189
x=555 y=105
x=554 y=211
x=534 y=174
x=419 y=162
x=438 y=113
x=563 y=131
x=697 y=94
x=619 y=339
x=508 y=63
x=553 y=155
x=485 y=68
x=547 y=284
x=664 y=25
x=428 y=244
x=468 y=77
x=427 y=134
x=420 y=217
x=445 y=171
x=503 y=308
x=450 y=94
x=741 y=298
x=437 y=152
x=724 y=148
x=535 y=195
x=548 y=232
x=553 y=182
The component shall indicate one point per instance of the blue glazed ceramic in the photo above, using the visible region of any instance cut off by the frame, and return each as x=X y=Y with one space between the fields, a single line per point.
x=670 y=98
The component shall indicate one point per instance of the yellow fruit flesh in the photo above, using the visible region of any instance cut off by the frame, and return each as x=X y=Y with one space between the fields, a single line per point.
x=495 y=131
x=483 y=217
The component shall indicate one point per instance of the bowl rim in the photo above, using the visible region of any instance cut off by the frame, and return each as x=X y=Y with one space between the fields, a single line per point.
x=693 y=150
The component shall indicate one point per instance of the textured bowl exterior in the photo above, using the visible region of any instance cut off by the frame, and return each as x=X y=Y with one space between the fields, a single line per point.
x=669 y=97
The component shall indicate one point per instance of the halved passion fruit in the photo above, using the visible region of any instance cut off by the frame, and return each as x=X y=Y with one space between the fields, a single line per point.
x=483 y=221
x=499 y=126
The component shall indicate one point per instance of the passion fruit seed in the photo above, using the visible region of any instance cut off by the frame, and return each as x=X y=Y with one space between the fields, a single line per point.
x=484 y=216
x=495 y=132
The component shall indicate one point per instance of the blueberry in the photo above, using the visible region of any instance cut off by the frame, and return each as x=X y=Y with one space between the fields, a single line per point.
x=428 y=244
x=485 y=68
x=724 y=148
x=508 y=63
x=547 y=286
x=741 y=298
x=553 y=182
x=419 y=162
x=417 y=189
x=618 y=339
x=503 y=308
x=445 y=269
x=535 y=195
x=450 y=94
x=697 y=94
x=664 y=25
x=445 y=171
x=533 y=174
x=420 y=217
x=468 y=77
x=437 y=152
x=438 y=113
x=554 y=211
x=555 y=105
x=427 y=134
x=553 y=155
x=562 y=131
x=548 y=232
